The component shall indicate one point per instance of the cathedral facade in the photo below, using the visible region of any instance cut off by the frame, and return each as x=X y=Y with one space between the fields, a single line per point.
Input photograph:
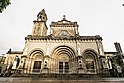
x=63 y=51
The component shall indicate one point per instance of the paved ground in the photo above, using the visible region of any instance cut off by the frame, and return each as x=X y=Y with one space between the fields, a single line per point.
x=41 y=80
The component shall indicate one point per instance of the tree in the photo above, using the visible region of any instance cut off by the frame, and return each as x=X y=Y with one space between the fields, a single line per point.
x=117 y=64
x=4 y=4
x=120 y=59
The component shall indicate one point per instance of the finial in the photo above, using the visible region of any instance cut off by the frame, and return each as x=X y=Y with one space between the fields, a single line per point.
x=64 y=17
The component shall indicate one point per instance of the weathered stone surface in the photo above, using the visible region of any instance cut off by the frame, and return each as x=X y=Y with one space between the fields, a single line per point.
x=39 y=80
x=62 y=50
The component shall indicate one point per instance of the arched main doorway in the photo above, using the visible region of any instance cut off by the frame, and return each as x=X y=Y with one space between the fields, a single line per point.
x=63 y=60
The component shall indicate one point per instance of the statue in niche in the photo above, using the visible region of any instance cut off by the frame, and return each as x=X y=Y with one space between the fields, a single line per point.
x=45 y=64
x=78 y=51
x=100 y=49
x=80 y=64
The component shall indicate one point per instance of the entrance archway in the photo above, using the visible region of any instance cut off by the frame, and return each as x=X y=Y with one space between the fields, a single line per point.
x=91 y=62
x=35 y=61
x=63 y=60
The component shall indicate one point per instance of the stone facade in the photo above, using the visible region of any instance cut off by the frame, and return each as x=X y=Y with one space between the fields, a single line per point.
x=63 y=51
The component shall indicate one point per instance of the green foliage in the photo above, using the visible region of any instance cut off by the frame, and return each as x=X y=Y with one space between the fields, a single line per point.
x=4 y=4
x=118 y=60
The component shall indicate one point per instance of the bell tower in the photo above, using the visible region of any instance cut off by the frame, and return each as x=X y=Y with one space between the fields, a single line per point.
x=40 y=28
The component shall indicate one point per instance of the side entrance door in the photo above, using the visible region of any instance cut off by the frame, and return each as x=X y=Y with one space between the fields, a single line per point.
x=37 y=66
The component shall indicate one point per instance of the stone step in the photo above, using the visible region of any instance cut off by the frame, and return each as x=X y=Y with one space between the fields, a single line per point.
x=64 y=76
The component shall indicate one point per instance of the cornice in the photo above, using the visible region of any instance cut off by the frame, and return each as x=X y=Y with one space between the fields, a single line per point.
x=30 y=37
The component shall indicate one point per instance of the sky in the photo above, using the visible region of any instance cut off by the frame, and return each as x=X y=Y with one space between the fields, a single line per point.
x=94 y=17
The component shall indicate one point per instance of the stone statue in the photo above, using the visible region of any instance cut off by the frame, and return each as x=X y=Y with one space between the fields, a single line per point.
x=45 y=65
